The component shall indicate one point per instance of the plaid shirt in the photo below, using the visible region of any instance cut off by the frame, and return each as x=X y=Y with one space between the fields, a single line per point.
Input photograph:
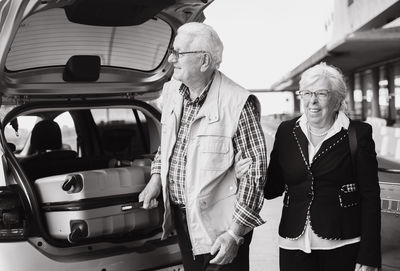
x=249 y=138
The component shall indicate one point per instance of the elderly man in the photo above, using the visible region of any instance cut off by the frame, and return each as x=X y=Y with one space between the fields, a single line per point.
x=206 y=120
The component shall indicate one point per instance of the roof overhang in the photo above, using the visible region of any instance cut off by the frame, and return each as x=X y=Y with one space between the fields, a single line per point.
x=357 y=51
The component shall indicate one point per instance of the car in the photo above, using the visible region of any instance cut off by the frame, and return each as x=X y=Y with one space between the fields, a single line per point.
x=80 y=84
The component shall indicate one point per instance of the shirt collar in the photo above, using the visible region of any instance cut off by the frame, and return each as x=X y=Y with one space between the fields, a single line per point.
x=184 y=91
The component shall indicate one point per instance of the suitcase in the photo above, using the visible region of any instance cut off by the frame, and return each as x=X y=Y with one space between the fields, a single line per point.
x=390 y=230
x=96 y=203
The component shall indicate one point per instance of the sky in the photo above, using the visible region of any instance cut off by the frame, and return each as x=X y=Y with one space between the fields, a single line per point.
x=266 y=39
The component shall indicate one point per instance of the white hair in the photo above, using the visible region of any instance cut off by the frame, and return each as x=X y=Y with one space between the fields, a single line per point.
x=332 y=75
x=204 y=38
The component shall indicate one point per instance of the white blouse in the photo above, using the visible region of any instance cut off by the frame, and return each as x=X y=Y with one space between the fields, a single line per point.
x=309 y=240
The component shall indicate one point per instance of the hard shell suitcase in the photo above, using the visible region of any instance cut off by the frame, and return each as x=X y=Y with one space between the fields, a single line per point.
x=390 y=219
x=96 y=203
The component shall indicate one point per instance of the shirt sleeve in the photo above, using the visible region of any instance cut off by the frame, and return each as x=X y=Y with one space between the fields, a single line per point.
x=249 y=138
x=156 y=164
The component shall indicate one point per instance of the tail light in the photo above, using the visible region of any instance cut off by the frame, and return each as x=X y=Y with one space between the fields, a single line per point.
x=13 y=218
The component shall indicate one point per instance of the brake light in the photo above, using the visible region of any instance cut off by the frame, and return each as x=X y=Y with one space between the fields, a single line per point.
x=13 y=220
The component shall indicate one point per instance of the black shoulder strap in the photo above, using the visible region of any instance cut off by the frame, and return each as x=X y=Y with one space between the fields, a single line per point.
x=353 y=146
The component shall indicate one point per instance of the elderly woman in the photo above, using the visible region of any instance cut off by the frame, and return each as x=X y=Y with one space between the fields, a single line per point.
x=331 y=207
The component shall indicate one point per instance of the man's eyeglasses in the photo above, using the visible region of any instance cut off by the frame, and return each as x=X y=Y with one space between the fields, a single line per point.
x=177 y=54
x=321 y=95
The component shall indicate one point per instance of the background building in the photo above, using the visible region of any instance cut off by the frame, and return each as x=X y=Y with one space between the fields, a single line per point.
x=364 y=42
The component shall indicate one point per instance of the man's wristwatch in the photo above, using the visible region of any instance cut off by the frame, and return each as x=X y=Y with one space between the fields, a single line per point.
x=238 y=239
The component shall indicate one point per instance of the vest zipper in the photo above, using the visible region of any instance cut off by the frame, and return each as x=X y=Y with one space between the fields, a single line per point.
x=187 y=221
x=186 y=189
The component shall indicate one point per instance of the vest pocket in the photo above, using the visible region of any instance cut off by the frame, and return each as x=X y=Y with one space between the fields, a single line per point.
x=215 y=146
x=217 y=212
x=211 y=199
x=349 y=195
x=215 y=154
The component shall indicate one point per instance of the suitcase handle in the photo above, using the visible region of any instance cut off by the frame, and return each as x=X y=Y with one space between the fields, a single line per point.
x=73 y=183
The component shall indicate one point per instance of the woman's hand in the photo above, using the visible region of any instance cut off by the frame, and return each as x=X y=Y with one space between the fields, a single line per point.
x=360 y=267
x=241 y=165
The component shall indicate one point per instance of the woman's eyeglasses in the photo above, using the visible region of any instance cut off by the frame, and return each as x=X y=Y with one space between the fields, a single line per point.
x=321 y=94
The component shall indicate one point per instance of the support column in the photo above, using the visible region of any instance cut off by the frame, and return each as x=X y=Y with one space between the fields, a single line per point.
x=392 y=109
x=375 y=110
x=364 y=107
x=350 y=94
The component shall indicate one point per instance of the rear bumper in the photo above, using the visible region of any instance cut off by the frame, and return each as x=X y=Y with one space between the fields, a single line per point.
x=17 y=256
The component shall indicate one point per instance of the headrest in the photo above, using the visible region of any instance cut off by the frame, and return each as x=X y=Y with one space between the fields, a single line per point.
x=46 y=135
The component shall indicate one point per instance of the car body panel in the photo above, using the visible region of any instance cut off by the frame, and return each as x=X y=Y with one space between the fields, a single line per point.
x=33 y=260
x=46 y=82
x=40 y=252
x=34 y=83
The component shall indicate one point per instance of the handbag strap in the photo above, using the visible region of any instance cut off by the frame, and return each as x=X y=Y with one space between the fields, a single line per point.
x=353 y=146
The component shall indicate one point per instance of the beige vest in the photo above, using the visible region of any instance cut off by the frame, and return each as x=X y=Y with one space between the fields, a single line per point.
x=210 y=177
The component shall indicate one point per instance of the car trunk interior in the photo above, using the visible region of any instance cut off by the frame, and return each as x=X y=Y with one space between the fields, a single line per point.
x=87 y=193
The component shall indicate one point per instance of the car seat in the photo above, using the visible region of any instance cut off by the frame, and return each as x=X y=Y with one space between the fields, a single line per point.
x=46 y=137
x=47 y=157
x=50 y=158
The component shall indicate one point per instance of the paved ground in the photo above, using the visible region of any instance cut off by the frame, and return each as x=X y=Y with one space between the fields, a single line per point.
x=264 y=247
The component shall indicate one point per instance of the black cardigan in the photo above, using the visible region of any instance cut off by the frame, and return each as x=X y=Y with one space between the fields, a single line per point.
x=340 y=206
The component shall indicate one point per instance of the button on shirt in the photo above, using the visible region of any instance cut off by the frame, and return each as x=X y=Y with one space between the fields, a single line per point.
x=309 y=240
x=249 y=138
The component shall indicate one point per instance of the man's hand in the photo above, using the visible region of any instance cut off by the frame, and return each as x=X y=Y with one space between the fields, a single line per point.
x=150 y=192
x=360 y=267
x=226 y=247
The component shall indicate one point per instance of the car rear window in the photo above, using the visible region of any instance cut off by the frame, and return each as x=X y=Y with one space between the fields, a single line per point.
x=47 y=38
